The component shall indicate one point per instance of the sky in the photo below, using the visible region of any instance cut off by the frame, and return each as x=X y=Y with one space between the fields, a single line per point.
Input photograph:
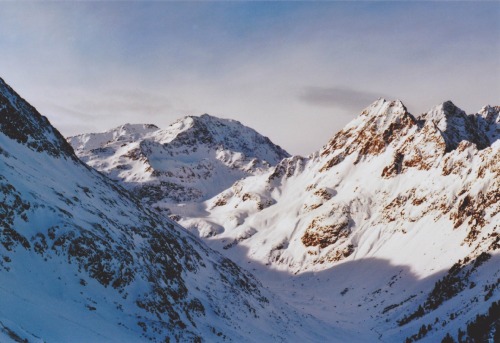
x=296 y=72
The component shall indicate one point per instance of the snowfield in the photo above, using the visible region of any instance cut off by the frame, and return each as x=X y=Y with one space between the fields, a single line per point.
x=206 y=231
x=81 y=260
x=192 y=160
x=359 y=233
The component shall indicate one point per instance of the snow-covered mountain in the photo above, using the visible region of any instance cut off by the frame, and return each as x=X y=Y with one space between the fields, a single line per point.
x=392 y=227
x=388 y=233
x=193 y=159
x=81 y=260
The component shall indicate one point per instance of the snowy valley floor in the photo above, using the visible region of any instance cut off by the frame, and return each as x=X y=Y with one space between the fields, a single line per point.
x=367 y=297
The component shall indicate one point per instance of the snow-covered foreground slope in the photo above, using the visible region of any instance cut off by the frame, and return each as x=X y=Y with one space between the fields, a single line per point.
x=83 y=261
x=394 y=213
x=193 y=159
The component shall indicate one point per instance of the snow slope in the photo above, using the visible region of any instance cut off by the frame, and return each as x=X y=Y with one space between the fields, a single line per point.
x=395 y=212
x=81 y=260
x=193 y=159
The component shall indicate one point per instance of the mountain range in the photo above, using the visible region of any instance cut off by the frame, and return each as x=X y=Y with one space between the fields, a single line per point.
x=82 y=260
x=388 y=233
x=192 y=160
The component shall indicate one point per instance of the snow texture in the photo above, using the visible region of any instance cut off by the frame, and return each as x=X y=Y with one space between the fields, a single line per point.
x=388 y=233
x=395 y=212
x=82 y=260
x=193 y=159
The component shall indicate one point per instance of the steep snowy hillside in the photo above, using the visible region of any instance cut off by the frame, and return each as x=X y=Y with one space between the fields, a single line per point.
x=392 y=226
x=193 y=159
x=82 y=261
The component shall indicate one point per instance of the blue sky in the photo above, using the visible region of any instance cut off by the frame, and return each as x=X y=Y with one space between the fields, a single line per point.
x=295 y=71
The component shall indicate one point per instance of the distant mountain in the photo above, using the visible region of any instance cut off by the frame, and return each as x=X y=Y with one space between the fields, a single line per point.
x=81 y=260
x=192 y=160
x=393 y=226
x=390 y=231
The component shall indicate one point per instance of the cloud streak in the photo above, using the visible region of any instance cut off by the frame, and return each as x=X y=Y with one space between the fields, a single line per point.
x=273 y=66
x=338 y=97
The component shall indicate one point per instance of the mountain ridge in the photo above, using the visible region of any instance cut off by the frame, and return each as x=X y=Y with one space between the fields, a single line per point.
x=389 y=232
x=192 y=159
x=418 y=192
x=30 y=127
x=82 y=259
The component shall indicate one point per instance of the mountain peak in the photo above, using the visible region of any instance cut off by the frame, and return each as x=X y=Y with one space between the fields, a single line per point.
x=383 y=114
x=227 y=133
x=443 y=111
x=195 y=157
x=206 y=116
x=85 y=259
x=383 y=187
x=383 y=107
x=456 y=126
x=488 y=119
x=377 y=127
x=490 y=113
x=210 y=120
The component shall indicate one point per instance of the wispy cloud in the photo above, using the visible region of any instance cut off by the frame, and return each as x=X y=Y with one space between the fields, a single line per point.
x=339 y=97
x=273 y=66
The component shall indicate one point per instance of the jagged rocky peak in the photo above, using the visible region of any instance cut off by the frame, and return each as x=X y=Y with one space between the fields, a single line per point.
x=22 y=122
x=382 y=115
x=387 y=117
x=386 y=109
x=388 y=122
x=379 y=125
x=489 y=121
x=490 y=113
x=442 y=111
x=456 y=126
x=226 y=133
x=383 y=188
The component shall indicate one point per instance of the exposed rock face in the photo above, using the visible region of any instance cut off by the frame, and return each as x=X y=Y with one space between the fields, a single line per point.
x=22 y=122
x=456 y=126
x=421 y=192
x=444 y=144
x=325 y=235
x=193 y=159
x=418 y=192
x=377 y=126
x=81 y=257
